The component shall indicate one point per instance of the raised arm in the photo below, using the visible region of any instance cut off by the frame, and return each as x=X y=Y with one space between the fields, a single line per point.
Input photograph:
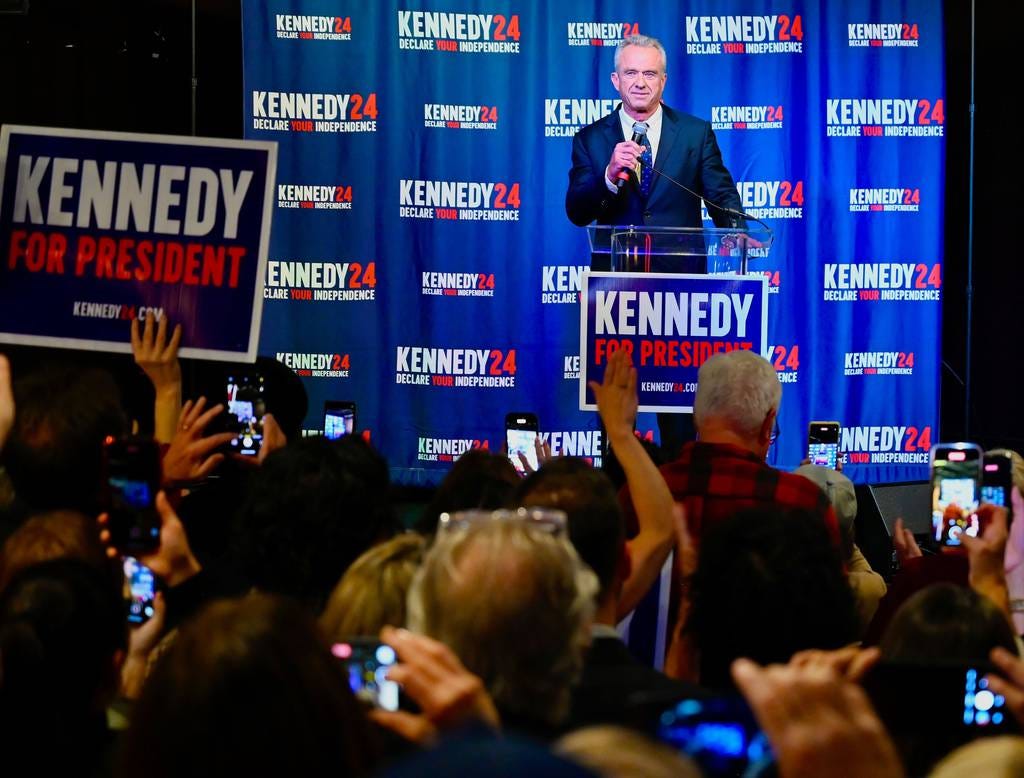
x=617 y=403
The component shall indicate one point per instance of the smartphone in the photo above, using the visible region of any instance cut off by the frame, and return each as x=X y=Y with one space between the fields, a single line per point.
x=139 y=590
x=521 y=438
x=997 y=481
x=719 y=733
x=132 y=477
x=366 y=663
x=937 y=697
x=823 y=443
x=246 y=408
x=339 y=419
x=956 y=491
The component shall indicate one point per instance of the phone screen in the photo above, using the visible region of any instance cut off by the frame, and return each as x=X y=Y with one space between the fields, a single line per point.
x=339 y=419
x=996 y=495
x=982 y=707
x=913 y=698
x=956 y=486
x=140 y=590
x=132 y=480
x=997 y=481
x=246 y=407
x=367 y=662
x=522 y=442
x=823 y=443
x=719 y=733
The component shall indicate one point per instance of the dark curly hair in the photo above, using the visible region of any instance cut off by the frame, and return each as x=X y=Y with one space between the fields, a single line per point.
x=596 y=526
x=316 y=505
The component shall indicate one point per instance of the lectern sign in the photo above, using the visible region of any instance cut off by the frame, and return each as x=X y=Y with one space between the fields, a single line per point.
x=671 y=324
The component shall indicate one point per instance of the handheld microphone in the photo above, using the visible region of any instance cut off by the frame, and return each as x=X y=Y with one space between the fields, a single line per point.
x=639 y=133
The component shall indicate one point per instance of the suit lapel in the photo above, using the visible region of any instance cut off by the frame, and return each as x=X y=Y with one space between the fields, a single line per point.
x=612 y=129
x=669 y=134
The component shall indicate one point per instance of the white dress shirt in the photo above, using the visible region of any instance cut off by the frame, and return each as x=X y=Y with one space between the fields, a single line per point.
x=653 y=123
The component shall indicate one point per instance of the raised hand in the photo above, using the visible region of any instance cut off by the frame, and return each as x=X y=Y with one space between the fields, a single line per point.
x=448 y=695
x=191 y=456
x=817 y=721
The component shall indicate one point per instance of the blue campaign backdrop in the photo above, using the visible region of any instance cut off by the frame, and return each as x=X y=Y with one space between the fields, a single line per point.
x=422 y=265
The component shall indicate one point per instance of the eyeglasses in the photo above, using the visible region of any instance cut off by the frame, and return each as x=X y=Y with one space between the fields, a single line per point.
x=775 y=433
x=633 y=75
x=545 y=519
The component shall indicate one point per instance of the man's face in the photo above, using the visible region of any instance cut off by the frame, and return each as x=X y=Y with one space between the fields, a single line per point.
x=640 y=80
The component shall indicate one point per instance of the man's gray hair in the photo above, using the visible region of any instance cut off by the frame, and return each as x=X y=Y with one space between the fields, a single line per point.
x=515 y=604
x=644 y=41
x=740 y=387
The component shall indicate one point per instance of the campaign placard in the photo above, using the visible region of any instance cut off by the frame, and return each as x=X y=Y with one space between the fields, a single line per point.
x=671 y=324
x=99 y=228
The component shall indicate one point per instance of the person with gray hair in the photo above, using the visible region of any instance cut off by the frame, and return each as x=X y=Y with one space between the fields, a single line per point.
x=643 y=41
x=724 y=471
x=611 y=180
x=509 y=595
x=738 y=395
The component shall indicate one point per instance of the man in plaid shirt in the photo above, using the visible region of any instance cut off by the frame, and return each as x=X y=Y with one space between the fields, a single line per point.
x=724 y=471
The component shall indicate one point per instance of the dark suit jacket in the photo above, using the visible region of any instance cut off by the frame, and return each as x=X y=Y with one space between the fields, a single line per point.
x=687 y=151
x=616 y=688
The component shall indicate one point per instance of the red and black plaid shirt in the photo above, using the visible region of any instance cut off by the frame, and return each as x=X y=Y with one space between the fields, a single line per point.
x=714 y=481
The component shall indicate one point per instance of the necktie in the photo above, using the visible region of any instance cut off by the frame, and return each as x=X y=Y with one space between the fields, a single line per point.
x=647 y=161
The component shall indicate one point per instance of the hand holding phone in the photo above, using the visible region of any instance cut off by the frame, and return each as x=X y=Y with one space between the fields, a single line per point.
x=339 y=419
x=521 y=439
x=438 y=691
x=719 y=733
x=194 y=454
x=817 y=720
x=246 y=406
x=997 y=480
x=132 y=476
x=139 y=591
x=956 y=488
x=172 y=561
x=823 y=443
x=367 y=661
x=913 y=698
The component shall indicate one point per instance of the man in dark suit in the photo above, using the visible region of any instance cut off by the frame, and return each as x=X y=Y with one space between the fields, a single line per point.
x=681 y=146
x=614 y=687
x=612 y=181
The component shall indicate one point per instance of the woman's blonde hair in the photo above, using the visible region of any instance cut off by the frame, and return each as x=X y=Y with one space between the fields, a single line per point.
x=373 y=591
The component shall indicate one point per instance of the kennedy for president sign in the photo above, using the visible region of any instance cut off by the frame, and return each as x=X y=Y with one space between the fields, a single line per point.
x=98 y=228
x=671 y=325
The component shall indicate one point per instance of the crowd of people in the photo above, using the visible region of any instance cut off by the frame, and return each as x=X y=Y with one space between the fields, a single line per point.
x=502 y=605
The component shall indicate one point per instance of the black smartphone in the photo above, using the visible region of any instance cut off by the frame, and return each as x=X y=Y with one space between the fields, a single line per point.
x=132 y=476
x=366 y=662
x=956 y=491
x=997 y=481
x=246 y=407
x=339 y=419
x=913 y=698
x=823 y=443
x=139 y=590
x=719 y=733
x=521 y=438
